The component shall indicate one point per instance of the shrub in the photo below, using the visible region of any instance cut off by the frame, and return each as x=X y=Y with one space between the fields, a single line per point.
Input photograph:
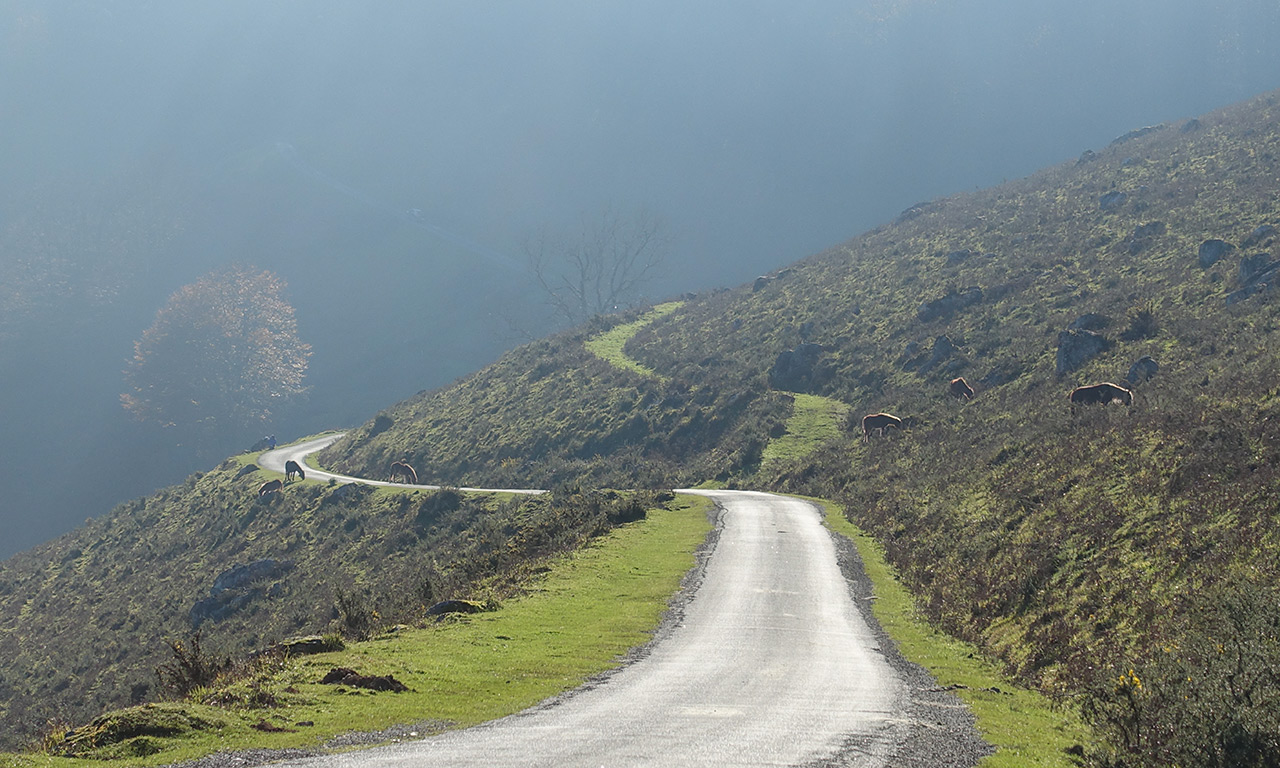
x=190 y=667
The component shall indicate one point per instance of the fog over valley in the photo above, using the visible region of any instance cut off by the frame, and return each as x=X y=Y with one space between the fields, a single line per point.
x=395 y=166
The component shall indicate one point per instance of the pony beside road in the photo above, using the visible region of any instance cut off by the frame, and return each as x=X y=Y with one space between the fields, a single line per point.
x=292 y=468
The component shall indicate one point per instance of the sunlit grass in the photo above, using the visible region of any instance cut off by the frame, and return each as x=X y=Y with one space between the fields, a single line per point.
x=1025 y=728
x=577 y=620
x=608 y=345
x=814 y=420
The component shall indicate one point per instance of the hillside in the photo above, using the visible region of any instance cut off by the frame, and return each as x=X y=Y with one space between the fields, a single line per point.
x=1087 y=548
x=85 y=620
x=1120 y=559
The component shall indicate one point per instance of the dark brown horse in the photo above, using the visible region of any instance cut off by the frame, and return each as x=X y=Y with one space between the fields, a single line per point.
x=292 y=468
x=881 y=423
x=402 y=469
x=1100 y=394
x=960 y=389
x=270 y=487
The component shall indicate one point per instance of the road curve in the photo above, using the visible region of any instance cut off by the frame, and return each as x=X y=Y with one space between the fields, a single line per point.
x=770 y=664
x=275 y=459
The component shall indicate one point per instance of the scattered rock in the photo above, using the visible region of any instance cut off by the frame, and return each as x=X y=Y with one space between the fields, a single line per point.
x=1075 y=347
x=305 y=646
x=1112 y=200
x=1143 y=369
x=948 y=305
x=1088 y=156
x=1213 y=250
x=1257 y=236
x=1190 y=126
x=239 y=575
x=795 y=369
x=761 y=283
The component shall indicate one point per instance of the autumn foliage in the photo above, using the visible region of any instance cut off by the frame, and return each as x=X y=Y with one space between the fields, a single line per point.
x=222 y=354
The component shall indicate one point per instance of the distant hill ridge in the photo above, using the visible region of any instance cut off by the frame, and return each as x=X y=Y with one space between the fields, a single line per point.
x=1068 y=544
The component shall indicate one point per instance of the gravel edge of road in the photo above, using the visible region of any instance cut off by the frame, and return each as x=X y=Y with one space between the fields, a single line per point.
x=939 y=729
x=671 y=618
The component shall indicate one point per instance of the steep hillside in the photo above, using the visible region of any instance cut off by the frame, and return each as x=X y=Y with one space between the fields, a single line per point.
x=1075 y=544
x=85 y=619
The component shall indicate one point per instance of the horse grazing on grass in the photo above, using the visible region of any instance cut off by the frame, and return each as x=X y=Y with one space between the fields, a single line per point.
x=402 y=469
x=1100 y=394
x=270 y=487
x=292 y=468
x=881 y=423
x=960 y=389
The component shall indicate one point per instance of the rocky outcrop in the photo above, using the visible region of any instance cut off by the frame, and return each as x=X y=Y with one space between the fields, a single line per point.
x=1143 y=369
x=1258 y=236
x=232 y=591
x=1113 y=201
x=949 y=305
x=1075 y=347
x=1257 y=273
x=795 y=369
x=1211 y=251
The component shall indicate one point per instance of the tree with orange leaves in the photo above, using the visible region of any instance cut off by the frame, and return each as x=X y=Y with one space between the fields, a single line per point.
x=222 y=356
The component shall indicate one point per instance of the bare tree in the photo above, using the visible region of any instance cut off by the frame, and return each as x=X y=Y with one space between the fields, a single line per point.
x=602 y=270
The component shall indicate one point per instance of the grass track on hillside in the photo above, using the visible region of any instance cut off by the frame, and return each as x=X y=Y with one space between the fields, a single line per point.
x=608 y=346
x=576 y=621
x=1023 y=726
x=814 y=420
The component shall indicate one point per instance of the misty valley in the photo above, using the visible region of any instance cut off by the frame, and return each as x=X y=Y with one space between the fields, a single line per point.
x=375 y=373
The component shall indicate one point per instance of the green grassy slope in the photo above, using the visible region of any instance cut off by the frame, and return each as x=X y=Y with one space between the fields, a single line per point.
x=1069 y=545
x=84 y=619
x=575 y=619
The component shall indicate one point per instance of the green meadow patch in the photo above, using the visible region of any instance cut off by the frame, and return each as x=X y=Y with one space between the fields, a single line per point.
x=609 y=345
x=814 y=420
x=1025 y=727
x=578 y=619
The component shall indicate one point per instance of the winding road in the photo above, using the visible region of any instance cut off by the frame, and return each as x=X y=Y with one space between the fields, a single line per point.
x=769 y=664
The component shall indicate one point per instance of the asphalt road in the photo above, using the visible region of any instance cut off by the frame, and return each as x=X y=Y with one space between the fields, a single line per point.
x=275 y=460
x=770 y=664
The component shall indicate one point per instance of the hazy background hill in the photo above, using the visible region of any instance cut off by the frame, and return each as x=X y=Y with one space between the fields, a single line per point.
x=148 y=143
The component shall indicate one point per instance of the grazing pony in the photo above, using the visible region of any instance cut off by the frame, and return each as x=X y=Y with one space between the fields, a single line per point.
x=402 y=469
x=292 y=468
x=880 y=422
x=1100 y=394
x=270 y=487
x=960 y=389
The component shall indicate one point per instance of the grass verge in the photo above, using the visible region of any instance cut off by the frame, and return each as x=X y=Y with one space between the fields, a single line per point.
x=1025 y=727
x=577 y=620
x=608 y=345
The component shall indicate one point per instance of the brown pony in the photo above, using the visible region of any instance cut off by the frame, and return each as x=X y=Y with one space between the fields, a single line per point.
x=1100 y=394
x=292 y=468
x=880 y=422
x=960 y=389
x=270 y=487
x=402 y=469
